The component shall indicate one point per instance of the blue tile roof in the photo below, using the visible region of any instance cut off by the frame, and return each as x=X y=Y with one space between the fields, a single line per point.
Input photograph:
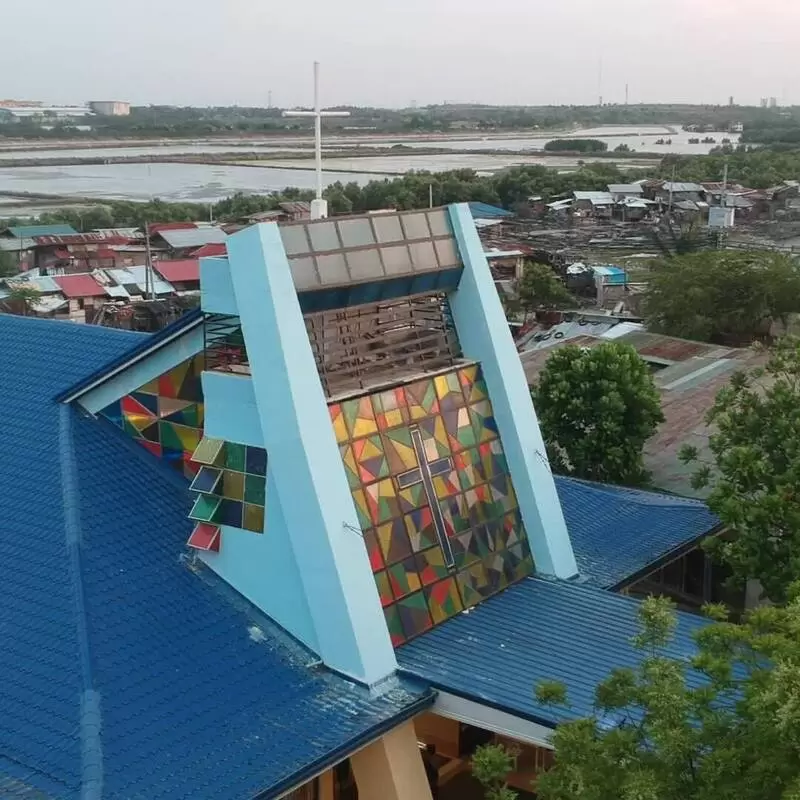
x=536 y=630
x=120 y=663
x=617 y=532
x=144 y=345
x=485 y=211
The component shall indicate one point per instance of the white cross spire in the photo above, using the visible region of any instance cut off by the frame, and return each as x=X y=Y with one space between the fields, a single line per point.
x=319 y=207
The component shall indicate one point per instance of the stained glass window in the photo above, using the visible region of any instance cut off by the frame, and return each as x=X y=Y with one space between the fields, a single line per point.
x=165 y=416
x=231 y=485
x=434 y=497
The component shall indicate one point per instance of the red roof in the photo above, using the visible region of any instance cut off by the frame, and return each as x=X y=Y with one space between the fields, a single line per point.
x=79 y=286
x=211 y=250
x=180 y=270
x=157 y=227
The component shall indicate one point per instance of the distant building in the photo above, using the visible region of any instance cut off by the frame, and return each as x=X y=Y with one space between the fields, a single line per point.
x=20 y=109
x=773 y=102
x=110 y=108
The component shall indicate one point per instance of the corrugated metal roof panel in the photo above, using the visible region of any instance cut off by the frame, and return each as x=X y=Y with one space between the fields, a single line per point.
x=32 y=231
x=682 y=188
x=16 y=245
x=535 y=631
x=136 y=276
x=42 y=283
x=80 y=286
x=193 y=237
x=665 y=347
x=486 y=211
x=596 y=198
x=625 y=188
x=49 y=303
x=179 y=271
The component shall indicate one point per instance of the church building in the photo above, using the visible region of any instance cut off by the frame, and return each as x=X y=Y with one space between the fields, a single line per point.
x=288 y=543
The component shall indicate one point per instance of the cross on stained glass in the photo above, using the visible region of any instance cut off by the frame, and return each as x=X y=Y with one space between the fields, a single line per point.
x=425 y=473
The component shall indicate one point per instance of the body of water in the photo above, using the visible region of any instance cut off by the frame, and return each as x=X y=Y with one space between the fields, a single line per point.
x=197 y=183
x=165 y=151
x=642 y=138
x=400 y=164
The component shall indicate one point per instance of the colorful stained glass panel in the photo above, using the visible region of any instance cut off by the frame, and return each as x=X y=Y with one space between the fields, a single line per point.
x=434 y=497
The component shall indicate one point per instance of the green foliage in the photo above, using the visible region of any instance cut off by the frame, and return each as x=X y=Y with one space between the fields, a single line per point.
x=20 y=299
x=756 y=169
x=8 y=265
x=540 y=288
x=731 y=732
x=551 y=693
x=576 y=146
x=597 y=408
x=754 y=472
x=491 y=765
x=722 y=296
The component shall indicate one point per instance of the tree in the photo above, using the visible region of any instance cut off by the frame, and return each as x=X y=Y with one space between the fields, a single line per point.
x=576 y=146
x=597 y=408
x=539 y=288
x=754 y=472
x=722 y=296
x=21 y=299
x=8 y=265
x=723 y=725
x=491 y=765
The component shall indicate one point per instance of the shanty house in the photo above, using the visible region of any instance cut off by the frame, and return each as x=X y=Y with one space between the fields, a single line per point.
x=596 y=203
x=621 y=191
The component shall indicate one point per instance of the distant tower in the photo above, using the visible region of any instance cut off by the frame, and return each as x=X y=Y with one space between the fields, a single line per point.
x=773 y=102
x=627 y=94
x=730 y=101
x=764 y=102
x=269 y=99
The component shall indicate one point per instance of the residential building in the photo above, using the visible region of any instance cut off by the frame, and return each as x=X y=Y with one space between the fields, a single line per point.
x=183 y=274
x=621 y=191
x=352 y=423
x=180 y=242
x=595 y=203
x=110 y=108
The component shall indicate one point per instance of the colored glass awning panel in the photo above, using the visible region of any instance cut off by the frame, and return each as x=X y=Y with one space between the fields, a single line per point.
x=205 y=537
x=208 y=451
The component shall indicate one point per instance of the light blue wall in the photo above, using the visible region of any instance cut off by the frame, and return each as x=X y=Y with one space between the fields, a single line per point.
x=264 y=569
x=309 y=477
x=216 y=287
x=485 y=337
x=155 y=364
x=231 y=413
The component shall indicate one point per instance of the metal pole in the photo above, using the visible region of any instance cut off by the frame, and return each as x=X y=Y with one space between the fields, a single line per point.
x=671 y=185
x=148 y=272
x=430 y=195
x=317 y=130
x=724 y=196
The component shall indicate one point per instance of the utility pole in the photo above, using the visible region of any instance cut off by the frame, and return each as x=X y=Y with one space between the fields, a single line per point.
x=149 y=288
x=319 y=207
x=671 y=190
x=430 y=195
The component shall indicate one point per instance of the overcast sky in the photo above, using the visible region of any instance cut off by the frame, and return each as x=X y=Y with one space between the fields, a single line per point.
x=398 y=52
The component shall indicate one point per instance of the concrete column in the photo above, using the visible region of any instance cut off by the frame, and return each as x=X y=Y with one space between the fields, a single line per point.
x=305 y=467
x=391 y=768
x=485 y=337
